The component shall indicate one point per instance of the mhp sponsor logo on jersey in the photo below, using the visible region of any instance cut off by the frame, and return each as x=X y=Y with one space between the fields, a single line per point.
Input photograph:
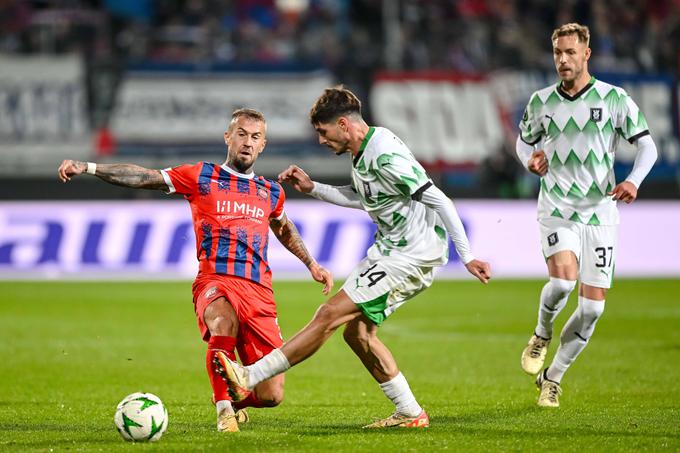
x=228 y=207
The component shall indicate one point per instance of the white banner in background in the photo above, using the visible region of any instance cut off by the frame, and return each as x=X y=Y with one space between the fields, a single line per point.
x=161 y=108
x=155 y=240
x=42 y=99
x=440 y=117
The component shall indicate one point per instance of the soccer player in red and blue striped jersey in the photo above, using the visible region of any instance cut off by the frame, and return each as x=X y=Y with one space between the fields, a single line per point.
x=232 y=211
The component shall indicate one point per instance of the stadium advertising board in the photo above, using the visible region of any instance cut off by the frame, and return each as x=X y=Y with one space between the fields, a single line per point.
x=154 y=240
x=174 y=108
x=442 y=116
x=41 y=99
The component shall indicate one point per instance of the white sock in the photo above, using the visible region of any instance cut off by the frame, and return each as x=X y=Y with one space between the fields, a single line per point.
x=222 y=405
x=398 y=391
x=553 y=299
x=574 y=338
x=268 y=366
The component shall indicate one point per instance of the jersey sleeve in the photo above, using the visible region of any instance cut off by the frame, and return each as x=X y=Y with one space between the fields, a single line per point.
x=631 y=122
x=181 y=179
x=403 y=172
x=531 y=128
x=277 y=210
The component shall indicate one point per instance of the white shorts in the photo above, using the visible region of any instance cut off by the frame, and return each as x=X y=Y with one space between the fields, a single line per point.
x=380 y=286
x=594 y=247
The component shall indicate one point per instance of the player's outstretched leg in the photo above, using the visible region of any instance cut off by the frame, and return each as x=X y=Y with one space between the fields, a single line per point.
x=361 y=335
x=234 y=375
x=550 y=390
x=398 y=420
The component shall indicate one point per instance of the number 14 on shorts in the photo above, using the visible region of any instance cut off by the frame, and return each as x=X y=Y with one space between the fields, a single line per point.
x=372 y=275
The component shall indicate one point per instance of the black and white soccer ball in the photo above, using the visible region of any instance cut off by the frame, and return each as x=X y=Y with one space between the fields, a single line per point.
x=141 y=417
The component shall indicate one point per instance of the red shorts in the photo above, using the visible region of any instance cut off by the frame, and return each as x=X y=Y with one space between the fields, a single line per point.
x=258 y=331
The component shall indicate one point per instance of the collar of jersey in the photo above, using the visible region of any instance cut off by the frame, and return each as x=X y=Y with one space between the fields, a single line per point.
x=566 y=96
x=226 y=168
x=369 y=134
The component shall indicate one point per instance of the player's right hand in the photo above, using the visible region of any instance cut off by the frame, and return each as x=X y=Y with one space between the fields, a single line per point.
x=296 y=177
x=480 y=269
x=70 y=168
x=538 y=163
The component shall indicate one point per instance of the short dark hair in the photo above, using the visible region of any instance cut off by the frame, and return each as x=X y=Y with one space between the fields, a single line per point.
x=334 y=102
x=249 y=113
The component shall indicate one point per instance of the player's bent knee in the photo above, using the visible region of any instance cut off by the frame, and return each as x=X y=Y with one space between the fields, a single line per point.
x=325 y=316
x=271 y=397
x=561 y=287
x=221 y=325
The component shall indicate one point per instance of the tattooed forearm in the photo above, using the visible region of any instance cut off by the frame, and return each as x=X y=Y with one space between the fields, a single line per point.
x=128 y=175
x=288 y=235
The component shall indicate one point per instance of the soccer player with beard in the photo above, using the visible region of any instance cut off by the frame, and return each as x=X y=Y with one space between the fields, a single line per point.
x=232 y=210
x=413 y=218
x=569 y=136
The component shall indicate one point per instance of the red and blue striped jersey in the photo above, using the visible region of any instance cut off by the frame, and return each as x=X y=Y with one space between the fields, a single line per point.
x=231 y=213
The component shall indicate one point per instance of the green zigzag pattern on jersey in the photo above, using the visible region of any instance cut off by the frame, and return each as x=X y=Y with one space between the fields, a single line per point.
x=361 y=166
x=574 y=192
x=382 y=160
x=639 y=125
x=535 y=102
x=571 y=129
x=573 y=160
x=594 y=220
x=388 y=242
x=397 y=219
x=381 y=199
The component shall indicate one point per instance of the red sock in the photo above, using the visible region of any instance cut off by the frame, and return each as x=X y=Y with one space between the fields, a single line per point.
x=250 y=401
x=226 y=345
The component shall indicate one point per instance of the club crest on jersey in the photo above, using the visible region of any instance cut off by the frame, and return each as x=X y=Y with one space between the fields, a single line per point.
x=262 y=193
x=596 y=114
x=210 y=292
x=553 y=239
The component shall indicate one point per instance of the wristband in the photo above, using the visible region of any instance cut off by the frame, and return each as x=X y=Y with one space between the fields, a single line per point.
x=91 y=168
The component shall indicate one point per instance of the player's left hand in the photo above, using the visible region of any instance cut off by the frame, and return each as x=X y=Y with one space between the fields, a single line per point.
x=322 y=275
x=625 y=191
x=480 y=269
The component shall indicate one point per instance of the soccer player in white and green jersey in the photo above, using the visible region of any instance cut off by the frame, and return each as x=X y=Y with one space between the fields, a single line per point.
x=413 y=218
x=568 y=136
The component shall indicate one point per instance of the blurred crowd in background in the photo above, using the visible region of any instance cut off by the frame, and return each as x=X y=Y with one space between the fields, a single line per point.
x=344 y=35
x=353 y=39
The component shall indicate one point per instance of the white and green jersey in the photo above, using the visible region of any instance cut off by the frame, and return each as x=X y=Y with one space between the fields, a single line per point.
x=388 y=179
x=579 y=135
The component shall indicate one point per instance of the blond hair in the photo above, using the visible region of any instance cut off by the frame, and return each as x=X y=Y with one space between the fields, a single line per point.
x=248 y=113
x=581 y=31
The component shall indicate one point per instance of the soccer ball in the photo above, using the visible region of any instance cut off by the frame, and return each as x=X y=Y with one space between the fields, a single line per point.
x=141 y=417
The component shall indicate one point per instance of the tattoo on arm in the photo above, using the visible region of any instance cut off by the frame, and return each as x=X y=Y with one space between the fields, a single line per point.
x=286 y=232
x=128 y=175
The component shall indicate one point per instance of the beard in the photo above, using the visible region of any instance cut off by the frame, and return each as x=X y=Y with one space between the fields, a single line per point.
x=240 y=164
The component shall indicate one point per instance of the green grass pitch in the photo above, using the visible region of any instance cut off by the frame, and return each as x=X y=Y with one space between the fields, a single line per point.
x=71 y=351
